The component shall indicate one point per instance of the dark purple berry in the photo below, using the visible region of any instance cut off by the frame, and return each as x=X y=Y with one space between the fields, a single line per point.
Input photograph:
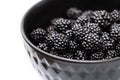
x=107 y=42
x=115 y=31
x=102 y=17
x=91 y=42
x=43 y=46
x=97 y=56
x=49 y=41
x=69 y=34
x=78 y=33
x=112 y=54
x=38 y=34
x=60 y=41
x=80 y=55
x=61 y=25
x=73 y=46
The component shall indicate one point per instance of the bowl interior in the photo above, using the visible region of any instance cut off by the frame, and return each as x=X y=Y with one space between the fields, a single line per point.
x=42 y=13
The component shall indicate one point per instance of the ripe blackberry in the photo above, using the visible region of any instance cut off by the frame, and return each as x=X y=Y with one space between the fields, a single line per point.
x=91 y=42
x=97 y=56
x=102 y=17
x=107 y=42
x=115 y=15
x=60 y=53
x=82 y=20
x=115 y=31
x=43 y=46
x=68 y=56
x=91 y=28
x=60 y=41
x=73 y=46
x=61 y=25
x=80 y=55
x=69 y=34
x=112 y=54
x=117 y=46
x=78 y=33
x=49 y=41
x=38 y=34
x=74 y=13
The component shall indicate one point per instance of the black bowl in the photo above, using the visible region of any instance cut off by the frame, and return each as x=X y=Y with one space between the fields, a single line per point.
x=56 y=68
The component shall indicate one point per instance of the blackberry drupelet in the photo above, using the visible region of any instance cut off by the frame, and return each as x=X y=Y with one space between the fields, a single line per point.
x=91 y=42
x=107 y=42
x=102 y=17
x=38 y=34
x=112 y=54
x=73 y=13
x=115 y=31
x=97 y=56
x=115 y=16
x=61 y=25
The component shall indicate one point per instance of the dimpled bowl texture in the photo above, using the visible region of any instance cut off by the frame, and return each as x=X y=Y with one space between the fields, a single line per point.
x=52 y=67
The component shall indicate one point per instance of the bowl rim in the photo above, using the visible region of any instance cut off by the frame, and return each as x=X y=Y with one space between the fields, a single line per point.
x=53 y=56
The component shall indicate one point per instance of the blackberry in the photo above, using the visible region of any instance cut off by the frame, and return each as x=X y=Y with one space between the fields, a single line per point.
x=91 y=28
x=91 y=42
x=82 y=20
x=80 y=55
x=73 y=46
x=74 y=13
x=49 y=41
x=43 y=46
x=61 y=25
x=61 y=53
x=38 y=34
x=69 y=34
x=78 y=33
x=60 y=41
x=102 y=17
x=107 y=42
x=67 y=55
x=117 y=47
x=97 y=56
x=115 y=31
x=115 y=15
x=112 y=54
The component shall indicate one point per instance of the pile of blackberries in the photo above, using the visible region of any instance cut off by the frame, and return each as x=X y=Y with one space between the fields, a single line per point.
x=88 y=35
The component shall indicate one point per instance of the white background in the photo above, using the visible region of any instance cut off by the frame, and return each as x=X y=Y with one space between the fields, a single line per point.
x=14 y=60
